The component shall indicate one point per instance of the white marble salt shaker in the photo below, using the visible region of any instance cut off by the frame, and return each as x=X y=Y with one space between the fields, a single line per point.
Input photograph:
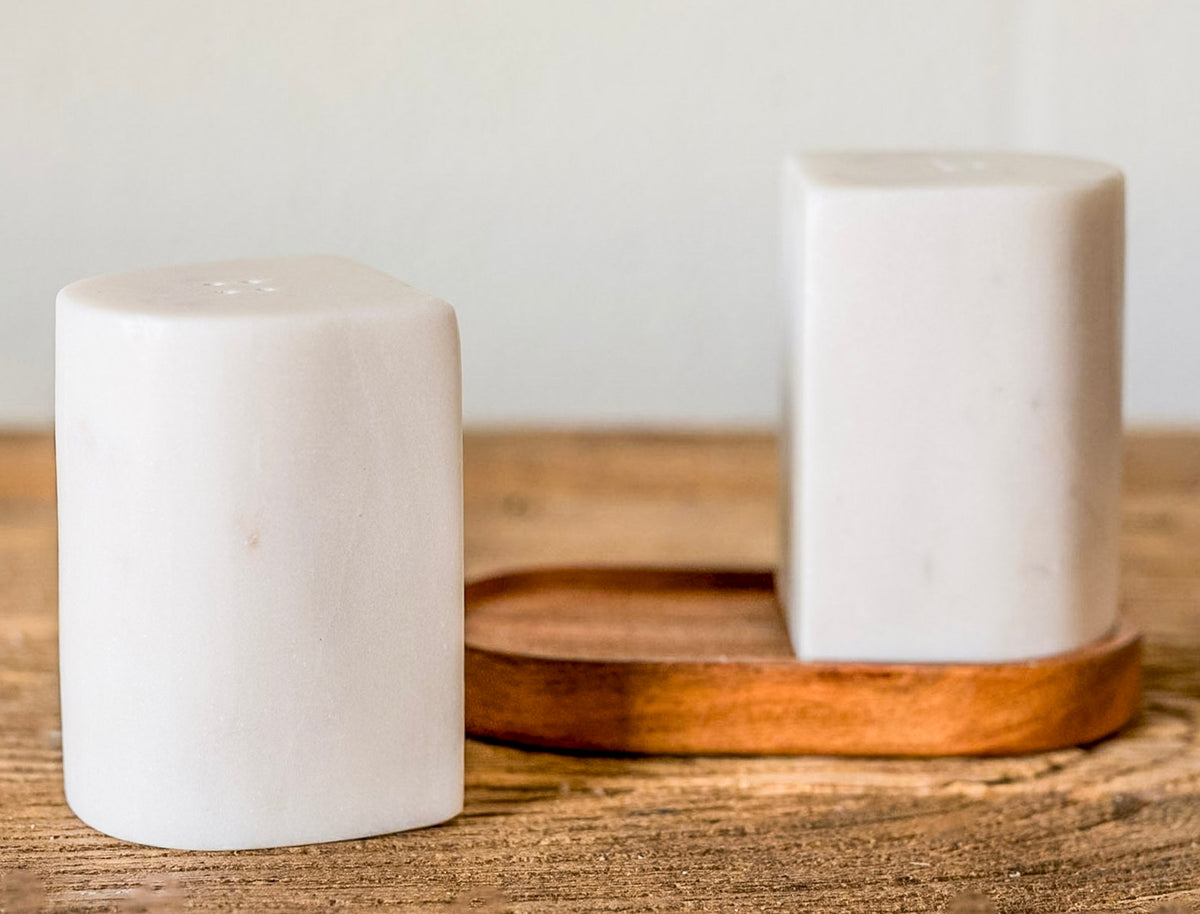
x=952 y=443
x=260 y=505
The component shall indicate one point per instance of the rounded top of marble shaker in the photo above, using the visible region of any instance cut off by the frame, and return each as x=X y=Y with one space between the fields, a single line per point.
x=950 y=169
x=312 y=285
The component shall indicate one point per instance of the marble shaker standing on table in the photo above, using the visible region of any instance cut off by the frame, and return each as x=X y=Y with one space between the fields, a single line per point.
x=260 y=497
x=952 y=451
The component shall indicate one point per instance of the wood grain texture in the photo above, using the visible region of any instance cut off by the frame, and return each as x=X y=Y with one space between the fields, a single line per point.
x=678 y=662
x=1110 y=827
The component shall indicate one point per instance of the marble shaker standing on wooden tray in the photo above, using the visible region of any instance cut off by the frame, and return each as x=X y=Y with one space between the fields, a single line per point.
x=952 y=444
x=260 y=502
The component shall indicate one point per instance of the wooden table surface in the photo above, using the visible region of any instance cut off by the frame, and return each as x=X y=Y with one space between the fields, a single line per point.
x=1110 y=827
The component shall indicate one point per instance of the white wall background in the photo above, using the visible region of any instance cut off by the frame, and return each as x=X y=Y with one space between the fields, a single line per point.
x=593 y=185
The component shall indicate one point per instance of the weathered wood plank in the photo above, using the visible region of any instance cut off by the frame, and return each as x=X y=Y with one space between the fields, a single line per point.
x=1114 y=827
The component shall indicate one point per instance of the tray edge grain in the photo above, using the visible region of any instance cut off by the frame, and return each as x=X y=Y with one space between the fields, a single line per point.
x=767 y=707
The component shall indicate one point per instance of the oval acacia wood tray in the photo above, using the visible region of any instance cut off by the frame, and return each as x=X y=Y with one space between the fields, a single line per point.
x=698 y=662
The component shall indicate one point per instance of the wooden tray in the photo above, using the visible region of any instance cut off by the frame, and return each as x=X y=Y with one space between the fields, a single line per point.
x=697 y=662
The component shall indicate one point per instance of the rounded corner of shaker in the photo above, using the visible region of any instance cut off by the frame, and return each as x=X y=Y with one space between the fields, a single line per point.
x=432 y=819
x=72 y=294
x=1106 y=172
x=116 y=834
x=442 y=311
x=137 y=837
x=459 y=808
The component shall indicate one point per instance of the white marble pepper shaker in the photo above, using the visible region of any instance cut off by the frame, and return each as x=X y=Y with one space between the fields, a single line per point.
x=260 y=503
x=952 y=442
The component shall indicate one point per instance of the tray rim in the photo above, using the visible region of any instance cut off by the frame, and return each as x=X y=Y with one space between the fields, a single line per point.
x=975 y=708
